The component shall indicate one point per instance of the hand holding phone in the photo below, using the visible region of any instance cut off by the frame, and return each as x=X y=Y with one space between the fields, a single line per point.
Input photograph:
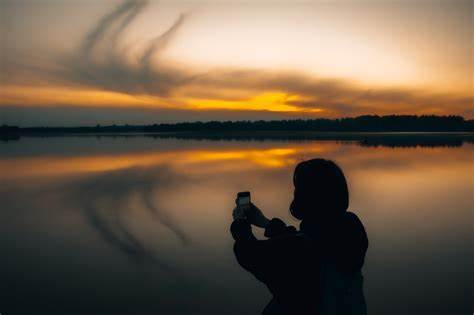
x=247 y=210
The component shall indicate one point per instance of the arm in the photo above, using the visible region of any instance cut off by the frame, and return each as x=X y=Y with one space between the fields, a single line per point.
x=241 y=227
x=258 y=256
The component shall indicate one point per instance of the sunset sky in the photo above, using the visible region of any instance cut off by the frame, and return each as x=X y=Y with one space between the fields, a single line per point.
x=86 y=62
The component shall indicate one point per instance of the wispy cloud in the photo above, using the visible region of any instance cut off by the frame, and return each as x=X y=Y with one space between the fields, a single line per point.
x=102 y=62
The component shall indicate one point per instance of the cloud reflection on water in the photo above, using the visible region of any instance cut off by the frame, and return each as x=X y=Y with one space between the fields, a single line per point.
x=105 y=197
x=164 y=203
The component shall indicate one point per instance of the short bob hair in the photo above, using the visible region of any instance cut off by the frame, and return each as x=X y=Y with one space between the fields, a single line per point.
x=320 y=190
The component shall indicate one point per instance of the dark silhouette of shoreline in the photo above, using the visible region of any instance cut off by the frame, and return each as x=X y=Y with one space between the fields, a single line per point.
x=370 y=131
x=369 y=123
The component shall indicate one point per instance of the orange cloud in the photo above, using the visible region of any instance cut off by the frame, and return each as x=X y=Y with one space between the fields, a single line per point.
x=41 y=95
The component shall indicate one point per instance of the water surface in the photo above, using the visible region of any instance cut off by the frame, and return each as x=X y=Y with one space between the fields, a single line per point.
x=139 y=225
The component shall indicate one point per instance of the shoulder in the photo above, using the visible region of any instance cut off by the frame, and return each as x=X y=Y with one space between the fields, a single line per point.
x=351 y=216
x=351 y=220
x=354 y=226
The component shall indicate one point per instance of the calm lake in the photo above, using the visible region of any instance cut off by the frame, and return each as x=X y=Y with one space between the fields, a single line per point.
x=140 y=225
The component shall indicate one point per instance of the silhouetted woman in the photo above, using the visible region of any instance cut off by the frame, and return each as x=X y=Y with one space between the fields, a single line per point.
x=316 y=270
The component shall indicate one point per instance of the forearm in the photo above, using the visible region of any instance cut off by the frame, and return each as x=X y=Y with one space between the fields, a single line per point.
x=241 y=230
x=256 y=217
x=276 y=227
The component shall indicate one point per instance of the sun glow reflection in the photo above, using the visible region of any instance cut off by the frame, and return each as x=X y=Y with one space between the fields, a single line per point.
x=227 y=159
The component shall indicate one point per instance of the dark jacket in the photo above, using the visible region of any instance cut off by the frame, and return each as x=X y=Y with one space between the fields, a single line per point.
x=289 y=262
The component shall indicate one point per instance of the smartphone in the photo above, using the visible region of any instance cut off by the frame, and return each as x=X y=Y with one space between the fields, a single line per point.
x=243 y=199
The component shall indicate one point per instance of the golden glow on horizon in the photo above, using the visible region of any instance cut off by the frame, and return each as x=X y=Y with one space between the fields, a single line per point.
x=269 y=101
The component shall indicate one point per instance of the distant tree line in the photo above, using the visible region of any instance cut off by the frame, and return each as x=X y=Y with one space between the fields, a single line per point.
x=368 y=123
x=361 y=123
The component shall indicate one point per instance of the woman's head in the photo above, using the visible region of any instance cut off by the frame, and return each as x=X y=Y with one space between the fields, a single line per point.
x=320 y=190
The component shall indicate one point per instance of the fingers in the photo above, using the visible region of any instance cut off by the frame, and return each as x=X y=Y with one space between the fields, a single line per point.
x=234 y=213
x=238 y=213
